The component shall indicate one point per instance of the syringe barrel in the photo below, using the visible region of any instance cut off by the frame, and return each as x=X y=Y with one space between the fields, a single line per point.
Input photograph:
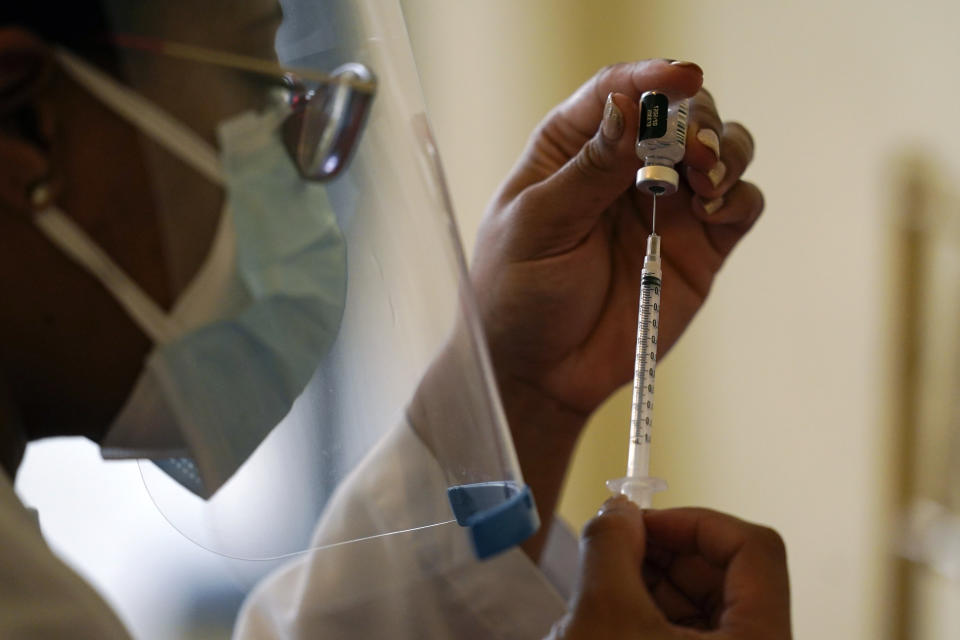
x=641 y=413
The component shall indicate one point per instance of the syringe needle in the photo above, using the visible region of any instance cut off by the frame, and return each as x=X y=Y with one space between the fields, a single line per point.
x=653 y=227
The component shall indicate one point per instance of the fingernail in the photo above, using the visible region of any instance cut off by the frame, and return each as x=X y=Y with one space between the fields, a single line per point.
x=684 y=63
x=712 y=206
x=717 y=174
x=709 y=139
x=612 y=503
x=612 y=125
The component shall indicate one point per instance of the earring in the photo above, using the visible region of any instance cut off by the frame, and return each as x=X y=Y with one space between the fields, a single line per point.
x=40 y=195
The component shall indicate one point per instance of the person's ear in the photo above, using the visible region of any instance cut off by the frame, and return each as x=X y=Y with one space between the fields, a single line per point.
x=26 y=122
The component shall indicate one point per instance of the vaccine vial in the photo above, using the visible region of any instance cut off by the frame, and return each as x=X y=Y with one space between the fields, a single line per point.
x=661 y=141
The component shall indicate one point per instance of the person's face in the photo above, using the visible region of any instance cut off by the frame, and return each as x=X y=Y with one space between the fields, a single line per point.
x=68 y=353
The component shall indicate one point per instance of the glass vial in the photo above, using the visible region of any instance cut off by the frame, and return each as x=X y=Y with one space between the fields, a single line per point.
x=661 y=142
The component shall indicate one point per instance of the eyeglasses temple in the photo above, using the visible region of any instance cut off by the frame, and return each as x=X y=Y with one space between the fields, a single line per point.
x=233 y=61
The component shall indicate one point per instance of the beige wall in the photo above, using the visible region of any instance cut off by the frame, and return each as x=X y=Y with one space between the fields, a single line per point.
x=775 y=404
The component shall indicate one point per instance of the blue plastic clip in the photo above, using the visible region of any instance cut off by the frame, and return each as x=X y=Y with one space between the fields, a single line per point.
x=500 y=515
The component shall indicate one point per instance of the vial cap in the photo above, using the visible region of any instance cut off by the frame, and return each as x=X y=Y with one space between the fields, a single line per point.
x=658 y=180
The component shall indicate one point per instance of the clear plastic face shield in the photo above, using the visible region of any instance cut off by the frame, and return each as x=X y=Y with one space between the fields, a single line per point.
x=321 y=360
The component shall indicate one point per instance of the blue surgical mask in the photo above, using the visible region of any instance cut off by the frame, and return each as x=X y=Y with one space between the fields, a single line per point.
x=244 y=338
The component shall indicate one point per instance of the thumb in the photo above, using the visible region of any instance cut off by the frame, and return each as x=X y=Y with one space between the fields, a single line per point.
x=611 y=593
x=566 y=205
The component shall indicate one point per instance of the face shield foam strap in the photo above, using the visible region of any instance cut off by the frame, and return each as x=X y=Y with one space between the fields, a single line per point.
x=500 y=515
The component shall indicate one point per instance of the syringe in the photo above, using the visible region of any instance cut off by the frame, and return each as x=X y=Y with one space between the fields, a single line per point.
x=661 y=141
x=638 y=485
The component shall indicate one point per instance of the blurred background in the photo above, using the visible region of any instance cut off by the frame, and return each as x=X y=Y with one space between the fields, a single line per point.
x=819 y=389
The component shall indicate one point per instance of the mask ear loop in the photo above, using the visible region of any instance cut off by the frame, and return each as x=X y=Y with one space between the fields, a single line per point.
x=66 y=234
x=75 y=243
x=146 y=116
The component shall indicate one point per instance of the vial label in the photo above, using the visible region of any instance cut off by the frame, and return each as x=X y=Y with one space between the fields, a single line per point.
x=653 y=116
x=683 y=110
x=662 y=130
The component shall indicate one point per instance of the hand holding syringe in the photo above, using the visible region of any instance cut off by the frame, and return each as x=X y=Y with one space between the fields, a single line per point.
x=660 y=143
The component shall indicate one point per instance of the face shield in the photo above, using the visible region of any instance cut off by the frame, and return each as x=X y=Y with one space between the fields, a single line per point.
x=321 y=354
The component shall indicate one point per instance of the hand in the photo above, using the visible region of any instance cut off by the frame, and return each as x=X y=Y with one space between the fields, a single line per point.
x=704 y=575
x=559 y=254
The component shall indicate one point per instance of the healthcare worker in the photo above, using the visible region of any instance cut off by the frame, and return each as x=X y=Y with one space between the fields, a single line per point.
x=209 y=240
x=556 y=272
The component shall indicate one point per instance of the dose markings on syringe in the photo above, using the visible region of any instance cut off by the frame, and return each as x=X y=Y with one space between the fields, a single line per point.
x=646 y=358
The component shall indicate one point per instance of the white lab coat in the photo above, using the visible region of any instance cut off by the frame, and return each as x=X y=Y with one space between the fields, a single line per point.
x=40 y=597
x=419 y=584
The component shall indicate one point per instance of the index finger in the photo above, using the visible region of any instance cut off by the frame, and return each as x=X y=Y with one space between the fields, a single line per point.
x=716 y=536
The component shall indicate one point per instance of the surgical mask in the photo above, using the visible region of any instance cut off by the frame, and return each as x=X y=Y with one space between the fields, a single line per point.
x=244 y=338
